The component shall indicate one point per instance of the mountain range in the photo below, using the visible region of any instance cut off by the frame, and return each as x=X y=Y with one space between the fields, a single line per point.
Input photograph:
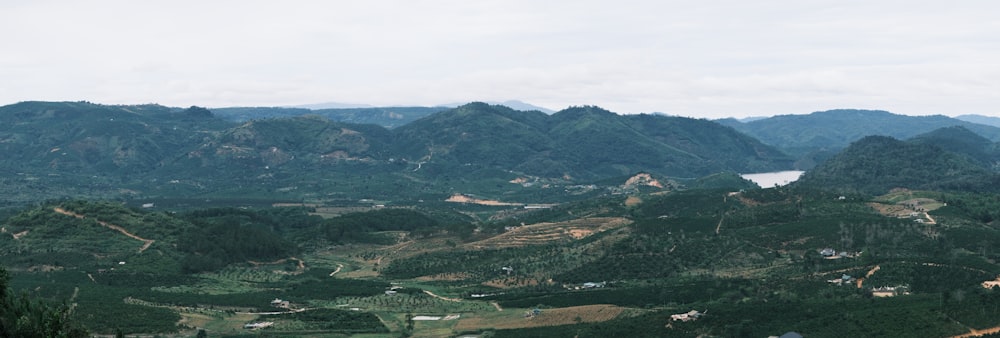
x=77 y=148
x=814 y=137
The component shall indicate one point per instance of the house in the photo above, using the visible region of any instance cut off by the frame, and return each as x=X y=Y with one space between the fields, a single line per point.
x=828 y=252
x=889 y=291
x=991 y=283
x=791 y=334
x=147 y=205
x=390 y=292
x=845 y=278
x=277 y=302
x=688 y=316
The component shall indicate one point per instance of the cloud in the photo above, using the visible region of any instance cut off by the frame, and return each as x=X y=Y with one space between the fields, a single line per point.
x=707 y=59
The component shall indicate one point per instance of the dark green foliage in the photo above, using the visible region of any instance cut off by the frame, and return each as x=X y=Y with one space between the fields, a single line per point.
x=877 y=164
x=725 y=180
x=959 y=140
x=229 y=237
x=24 y=317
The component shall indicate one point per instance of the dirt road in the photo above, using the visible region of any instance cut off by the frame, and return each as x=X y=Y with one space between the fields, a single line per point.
x=978 y=333
x=146 y=242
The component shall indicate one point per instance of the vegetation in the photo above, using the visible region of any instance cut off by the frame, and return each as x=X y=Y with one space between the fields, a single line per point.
x=21 y=316
x=581 y=223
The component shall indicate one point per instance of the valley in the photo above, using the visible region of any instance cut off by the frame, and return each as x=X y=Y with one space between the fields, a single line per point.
x=581 y=223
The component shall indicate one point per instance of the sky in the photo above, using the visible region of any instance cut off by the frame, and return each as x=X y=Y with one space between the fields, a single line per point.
x=705 y=59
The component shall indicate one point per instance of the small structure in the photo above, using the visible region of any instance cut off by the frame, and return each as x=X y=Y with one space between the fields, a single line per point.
x=828 y=252
x=845 y=278
x=277 y=302
x=390 y=292
x=147 y=205
x=992 y=283
x=687 y=316
x=889 y=291
x=257 y=325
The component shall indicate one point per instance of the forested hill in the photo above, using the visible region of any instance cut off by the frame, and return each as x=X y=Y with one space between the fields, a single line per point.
x=585 y=142
x=72 y=149
x=877 y=164
x=835 y=129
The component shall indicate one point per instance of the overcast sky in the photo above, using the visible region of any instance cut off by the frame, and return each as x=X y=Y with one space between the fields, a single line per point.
x=691 y=58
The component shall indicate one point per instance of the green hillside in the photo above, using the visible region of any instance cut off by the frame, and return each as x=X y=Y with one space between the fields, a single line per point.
x=836 y=129
x=877 y=164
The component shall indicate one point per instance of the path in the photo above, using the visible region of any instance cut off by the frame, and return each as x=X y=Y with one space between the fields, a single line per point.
x=399 y=247
x=497 y=305
x=146 y=242
x=339 y=266
x=978 y=333
x=868 y=275
x=718 y=227
x=440 y=297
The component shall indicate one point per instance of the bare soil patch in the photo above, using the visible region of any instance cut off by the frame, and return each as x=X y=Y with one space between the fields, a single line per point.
x=632 y=201
x=459 y=198
x=548 y=317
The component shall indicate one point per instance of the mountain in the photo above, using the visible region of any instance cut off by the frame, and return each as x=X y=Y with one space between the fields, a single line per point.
x=878 y=164
x=57 y=149
x=332 y=105
x=512 y=104
x=584 y=142
x=60 y=149
x=959 y=140
x=980 y=119
x=835 y=129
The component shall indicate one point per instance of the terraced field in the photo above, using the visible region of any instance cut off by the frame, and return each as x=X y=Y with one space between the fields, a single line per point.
x=544 y=233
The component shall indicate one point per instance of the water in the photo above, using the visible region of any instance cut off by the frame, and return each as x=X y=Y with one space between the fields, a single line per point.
x=774 y=179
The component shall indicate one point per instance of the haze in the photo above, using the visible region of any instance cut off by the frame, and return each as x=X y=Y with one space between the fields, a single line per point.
x=701 y=59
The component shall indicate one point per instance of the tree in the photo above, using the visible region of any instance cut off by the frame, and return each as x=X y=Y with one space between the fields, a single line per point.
x=22 y=317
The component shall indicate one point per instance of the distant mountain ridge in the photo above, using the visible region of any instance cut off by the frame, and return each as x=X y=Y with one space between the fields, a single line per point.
x=836 y=129
x=980 y=119
x=388 y=117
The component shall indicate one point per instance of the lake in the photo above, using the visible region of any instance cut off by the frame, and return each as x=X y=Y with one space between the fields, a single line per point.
x=774 y=179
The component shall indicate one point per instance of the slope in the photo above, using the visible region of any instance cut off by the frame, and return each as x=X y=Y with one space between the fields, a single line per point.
x=876 y=164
